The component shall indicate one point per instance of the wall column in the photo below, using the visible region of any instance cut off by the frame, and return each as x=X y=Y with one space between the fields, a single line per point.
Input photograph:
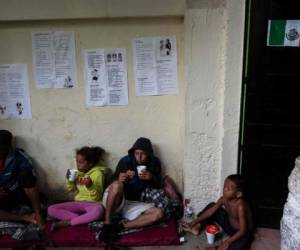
x=211 y=126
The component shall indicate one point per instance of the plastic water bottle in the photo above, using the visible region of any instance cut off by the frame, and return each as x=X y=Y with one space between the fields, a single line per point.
x=188 y=211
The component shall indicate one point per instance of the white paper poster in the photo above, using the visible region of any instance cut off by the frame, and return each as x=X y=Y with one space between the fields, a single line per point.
x=155 y=66
x=14 y=92
x=105 y=73
x=54 y=60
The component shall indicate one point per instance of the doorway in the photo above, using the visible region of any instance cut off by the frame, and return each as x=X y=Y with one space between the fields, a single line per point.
x=270 y=134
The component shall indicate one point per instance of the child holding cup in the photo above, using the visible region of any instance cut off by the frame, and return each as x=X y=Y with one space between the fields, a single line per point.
x=88 y=183
x=231 y=212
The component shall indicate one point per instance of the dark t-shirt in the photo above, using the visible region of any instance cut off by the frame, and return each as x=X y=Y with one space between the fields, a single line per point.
x=17 y=174
x=135 y=186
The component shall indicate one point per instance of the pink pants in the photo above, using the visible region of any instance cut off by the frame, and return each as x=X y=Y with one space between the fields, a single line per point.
x=77 y=212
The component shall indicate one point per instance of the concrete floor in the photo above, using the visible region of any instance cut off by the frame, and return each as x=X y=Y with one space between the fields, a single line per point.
x=265 y=239
x=191 y=242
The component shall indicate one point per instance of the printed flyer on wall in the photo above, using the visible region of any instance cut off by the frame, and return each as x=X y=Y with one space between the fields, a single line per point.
x=155 y=66
x=54 y=61
x=105 y=72
x=14 y=92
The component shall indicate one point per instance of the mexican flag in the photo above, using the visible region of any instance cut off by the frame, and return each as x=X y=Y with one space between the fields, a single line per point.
x=284 y=33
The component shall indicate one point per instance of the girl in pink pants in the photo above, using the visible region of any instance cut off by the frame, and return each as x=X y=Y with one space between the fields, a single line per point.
x=88 y=184
x=76 y=212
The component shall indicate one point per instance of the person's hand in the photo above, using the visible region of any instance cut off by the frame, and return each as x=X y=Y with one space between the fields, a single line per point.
x=3 y=193
x=187 y=225
x=40 y=221
x=130 y=173
x=31 y=218
x=145 y=175
x=34 y=218
x=87 y=181
x=122 y=177
x=68 y=174
x=192 y=227
x=224 y=245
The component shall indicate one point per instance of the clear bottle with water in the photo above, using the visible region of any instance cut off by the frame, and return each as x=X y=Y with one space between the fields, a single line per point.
x=188 y=215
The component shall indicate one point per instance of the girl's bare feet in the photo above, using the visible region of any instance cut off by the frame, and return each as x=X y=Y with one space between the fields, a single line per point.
x=59 y=224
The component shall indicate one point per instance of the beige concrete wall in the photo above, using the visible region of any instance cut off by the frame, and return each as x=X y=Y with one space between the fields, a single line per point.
x=205 y=36
x=74 y=9
x=213 y=51
x=62 y=122
x=202 y=121
x=233 y=86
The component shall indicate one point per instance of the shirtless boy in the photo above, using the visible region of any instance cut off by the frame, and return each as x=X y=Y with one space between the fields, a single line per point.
x=232 y=213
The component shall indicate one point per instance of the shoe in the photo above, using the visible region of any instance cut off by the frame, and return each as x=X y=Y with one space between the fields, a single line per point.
x=52 y=227
x=109 y=232
x=105 y=233
x=117 y=228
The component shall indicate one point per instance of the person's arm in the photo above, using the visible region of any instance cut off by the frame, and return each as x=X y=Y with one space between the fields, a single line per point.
x=95 y=182
x=120 y=173
x=33 y=195
x=208 y=213
x=28 y=182
x=70 y=185
x=242 y=215
x=153 y=173
x=156 y=174
x=7 y=216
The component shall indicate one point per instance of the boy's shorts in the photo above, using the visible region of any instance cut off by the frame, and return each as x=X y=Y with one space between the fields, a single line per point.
x=130 y=210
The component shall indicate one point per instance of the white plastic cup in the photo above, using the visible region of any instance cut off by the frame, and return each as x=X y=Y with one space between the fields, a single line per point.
x=211 y=232
x=141 y=168
x=72 y=174
x=210 y=238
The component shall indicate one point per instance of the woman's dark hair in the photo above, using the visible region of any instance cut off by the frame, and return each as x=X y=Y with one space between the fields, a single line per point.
x=91 y=154
x=5 y=139
x=239 y=182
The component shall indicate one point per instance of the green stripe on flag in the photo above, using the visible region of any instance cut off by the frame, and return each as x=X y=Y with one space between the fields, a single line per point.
x=276 y=32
